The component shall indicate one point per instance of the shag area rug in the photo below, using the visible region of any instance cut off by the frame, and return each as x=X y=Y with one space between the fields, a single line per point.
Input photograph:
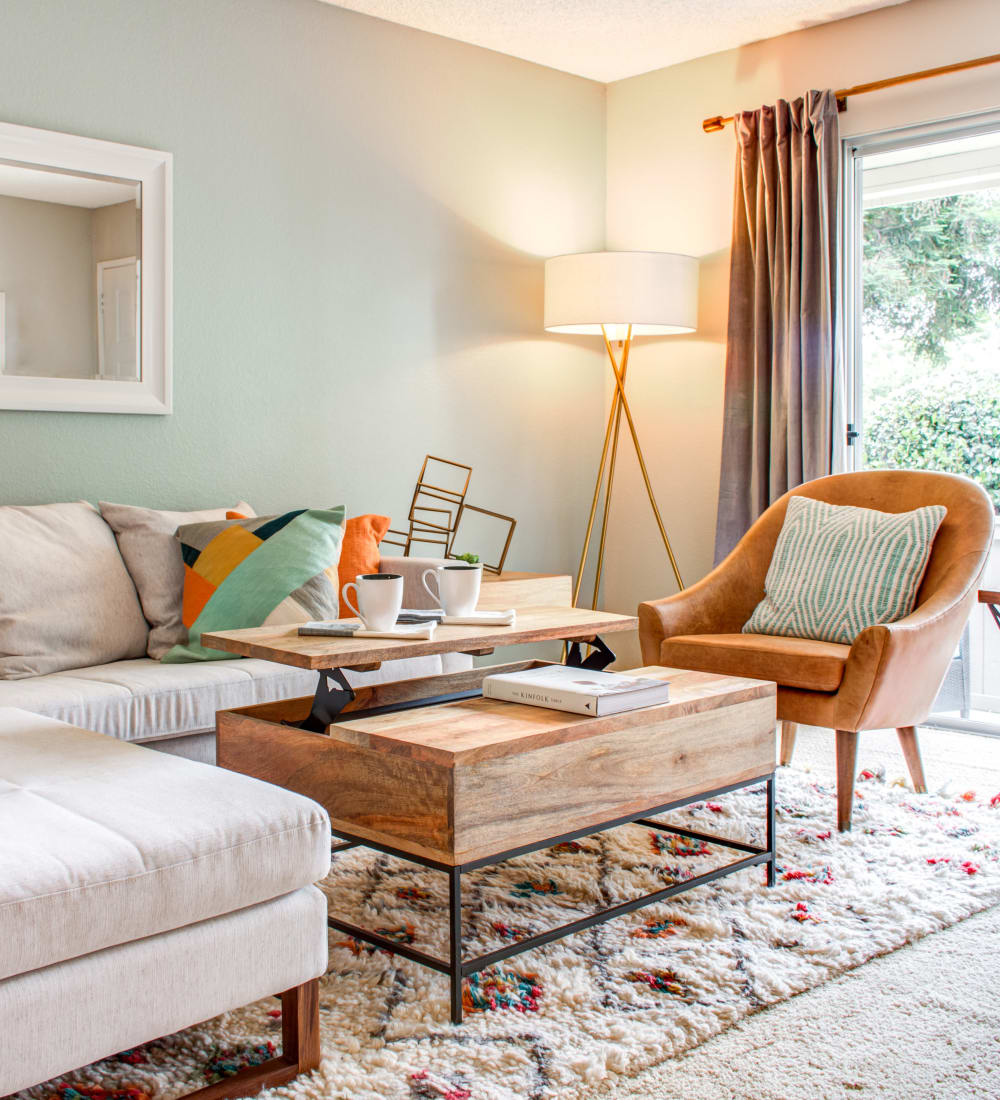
x=562 y=1020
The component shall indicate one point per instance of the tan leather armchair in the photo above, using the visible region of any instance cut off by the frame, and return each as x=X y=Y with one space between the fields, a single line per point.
x=891 y=674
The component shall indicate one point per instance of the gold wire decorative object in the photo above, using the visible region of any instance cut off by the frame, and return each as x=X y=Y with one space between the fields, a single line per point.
x=509 y=520
x=438 y=531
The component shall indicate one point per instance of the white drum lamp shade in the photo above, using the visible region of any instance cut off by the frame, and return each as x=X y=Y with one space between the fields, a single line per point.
x=654 y=292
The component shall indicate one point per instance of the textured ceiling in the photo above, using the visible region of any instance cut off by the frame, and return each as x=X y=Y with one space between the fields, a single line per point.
x=608 y=40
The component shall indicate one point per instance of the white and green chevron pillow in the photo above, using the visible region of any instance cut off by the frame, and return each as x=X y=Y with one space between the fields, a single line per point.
x=838 y=569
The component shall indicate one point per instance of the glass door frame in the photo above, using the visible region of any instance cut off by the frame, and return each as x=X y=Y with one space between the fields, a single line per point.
x=853 y=151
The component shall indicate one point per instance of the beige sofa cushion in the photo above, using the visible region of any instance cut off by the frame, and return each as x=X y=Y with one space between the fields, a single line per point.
x=66 y=598
x=153 y=556
x=143 y=699
x=103 y=842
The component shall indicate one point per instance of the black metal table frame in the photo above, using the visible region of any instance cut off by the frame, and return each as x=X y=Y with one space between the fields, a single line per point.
x=458 y=968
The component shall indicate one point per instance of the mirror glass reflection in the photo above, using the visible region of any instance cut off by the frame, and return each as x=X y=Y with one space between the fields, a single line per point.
x=69 y=274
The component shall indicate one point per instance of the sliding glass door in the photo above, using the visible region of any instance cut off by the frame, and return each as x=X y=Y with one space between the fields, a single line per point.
x=922 y=306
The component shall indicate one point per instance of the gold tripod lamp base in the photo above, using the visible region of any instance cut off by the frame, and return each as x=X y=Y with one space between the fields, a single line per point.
x=591 y=293
x=611 y=438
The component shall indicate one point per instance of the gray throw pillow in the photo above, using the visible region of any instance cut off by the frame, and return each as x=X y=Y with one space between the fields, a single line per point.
x=153 y=556
x=66 y=599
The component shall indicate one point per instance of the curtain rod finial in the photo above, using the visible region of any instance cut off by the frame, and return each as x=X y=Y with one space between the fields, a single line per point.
x=712 y=125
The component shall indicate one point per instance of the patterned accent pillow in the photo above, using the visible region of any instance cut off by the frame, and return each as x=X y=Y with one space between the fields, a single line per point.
x=359 y=551
x=838 y=569
x=257 y=572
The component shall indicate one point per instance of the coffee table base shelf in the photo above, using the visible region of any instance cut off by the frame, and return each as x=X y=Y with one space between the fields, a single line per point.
x=458 y=968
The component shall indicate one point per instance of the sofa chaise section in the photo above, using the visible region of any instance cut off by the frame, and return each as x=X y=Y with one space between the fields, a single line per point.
x=153 y=890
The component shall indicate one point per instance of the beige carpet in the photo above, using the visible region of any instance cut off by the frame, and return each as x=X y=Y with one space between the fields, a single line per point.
x=601 y=1014
x=921 y=1022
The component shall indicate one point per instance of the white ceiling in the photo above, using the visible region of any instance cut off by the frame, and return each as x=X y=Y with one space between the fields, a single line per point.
x=608 y=40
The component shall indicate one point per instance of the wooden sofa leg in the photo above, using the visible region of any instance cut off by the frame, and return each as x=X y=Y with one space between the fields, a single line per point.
x=911 y=753
x=299 y=1049
x=788 y=732
x=300 y=1025
x=847 y=764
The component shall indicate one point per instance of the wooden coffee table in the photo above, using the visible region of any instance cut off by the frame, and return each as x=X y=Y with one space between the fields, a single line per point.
x=429 y=771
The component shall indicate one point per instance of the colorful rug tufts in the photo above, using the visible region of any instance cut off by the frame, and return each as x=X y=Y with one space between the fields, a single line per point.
x=562 y=1020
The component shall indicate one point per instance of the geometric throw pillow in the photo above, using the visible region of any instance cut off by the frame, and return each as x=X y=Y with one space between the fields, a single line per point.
x=838 y=569
x=264 y=571
x=359 y=548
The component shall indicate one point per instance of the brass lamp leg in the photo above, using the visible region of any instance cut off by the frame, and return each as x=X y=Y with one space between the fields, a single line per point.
x=620 y=382
x=593 y=503
x=611 y=480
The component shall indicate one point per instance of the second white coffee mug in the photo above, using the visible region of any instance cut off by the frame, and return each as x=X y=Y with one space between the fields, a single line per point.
x=457 y=587
x=379 y=596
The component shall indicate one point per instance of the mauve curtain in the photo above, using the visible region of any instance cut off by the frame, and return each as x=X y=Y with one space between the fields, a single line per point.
x=781 y=356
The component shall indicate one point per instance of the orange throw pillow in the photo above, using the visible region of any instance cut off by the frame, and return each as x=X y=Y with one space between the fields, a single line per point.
x=359 y=550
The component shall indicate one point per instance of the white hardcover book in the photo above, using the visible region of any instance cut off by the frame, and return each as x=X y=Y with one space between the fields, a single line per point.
x=577 y=690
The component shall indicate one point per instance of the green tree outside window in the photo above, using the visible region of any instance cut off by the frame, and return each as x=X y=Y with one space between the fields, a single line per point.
x=931 y=305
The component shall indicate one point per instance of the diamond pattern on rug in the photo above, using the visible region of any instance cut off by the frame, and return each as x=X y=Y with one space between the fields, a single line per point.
x=622 y=996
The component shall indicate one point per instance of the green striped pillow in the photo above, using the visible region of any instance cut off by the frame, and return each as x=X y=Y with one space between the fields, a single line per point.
x=838 y=569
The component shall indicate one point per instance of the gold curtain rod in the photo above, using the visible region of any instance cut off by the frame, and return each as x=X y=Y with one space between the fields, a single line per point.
x=713 y=125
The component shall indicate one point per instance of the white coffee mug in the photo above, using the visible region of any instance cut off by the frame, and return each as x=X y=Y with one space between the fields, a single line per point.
x=379 y=596
x=457 y=587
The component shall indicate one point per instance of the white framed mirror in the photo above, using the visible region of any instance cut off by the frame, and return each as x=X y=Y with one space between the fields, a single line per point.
x=85 y=274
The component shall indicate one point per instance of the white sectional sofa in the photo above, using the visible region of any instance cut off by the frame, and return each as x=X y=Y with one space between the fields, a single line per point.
x=57 y=551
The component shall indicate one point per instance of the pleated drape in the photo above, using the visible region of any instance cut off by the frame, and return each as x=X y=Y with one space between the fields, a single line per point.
x=781 y=357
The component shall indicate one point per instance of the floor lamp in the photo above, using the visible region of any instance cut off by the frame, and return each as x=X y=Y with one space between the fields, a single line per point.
x=620 y=295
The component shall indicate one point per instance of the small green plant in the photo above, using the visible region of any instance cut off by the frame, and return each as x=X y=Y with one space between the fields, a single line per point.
x=472 y=559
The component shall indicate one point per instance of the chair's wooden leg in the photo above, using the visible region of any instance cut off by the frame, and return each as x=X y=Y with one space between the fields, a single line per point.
x=847 y=764
x=911 y=753
x=788 y=732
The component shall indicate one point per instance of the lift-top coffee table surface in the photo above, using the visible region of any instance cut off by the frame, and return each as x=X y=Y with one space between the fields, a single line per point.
x=428 y=770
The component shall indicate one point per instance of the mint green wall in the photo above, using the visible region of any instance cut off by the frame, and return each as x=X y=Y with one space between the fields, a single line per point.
x=361 y=211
